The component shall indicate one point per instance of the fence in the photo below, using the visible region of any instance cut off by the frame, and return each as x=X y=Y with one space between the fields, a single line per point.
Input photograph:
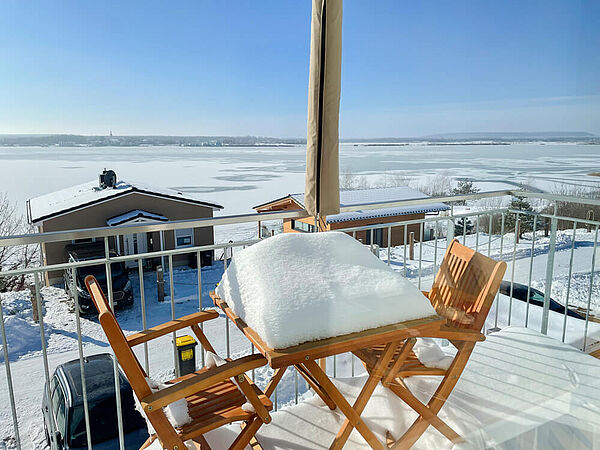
x=422 y=270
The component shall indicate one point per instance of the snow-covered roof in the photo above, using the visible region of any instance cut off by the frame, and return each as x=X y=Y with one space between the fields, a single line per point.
x=132 y=215
x=373 y=196
x=86 y=194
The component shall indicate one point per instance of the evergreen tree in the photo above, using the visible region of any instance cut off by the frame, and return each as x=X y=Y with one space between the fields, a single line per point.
x=462 y=188
x=525 y=220
x=464 y=223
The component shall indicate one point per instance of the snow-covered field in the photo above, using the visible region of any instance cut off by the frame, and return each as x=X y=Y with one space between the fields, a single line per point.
x=59 y=319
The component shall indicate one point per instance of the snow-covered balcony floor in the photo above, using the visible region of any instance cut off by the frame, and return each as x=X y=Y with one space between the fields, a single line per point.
x=520 y=390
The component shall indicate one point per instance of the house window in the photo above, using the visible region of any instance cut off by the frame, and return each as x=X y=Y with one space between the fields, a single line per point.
x=302 y=226
x=184 y=237
x=377 y=234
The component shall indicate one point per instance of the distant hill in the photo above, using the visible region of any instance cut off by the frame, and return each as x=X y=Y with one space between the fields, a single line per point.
x=513 y=135
x=75 y=140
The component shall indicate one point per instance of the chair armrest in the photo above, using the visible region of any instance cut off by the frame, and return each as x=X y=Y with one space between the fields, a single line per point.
x=425 y=293
x=199 y=381
x=168 y=327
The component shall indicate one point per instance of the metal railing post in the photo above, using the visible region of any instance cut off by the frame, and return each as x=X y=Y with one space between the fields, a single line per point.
x=200 y=307
x=143 y=304
x=11 y=394
x=86 y=411
x=549 y=275
x=173 y=317
x=38 y=300
x=589 y=300
x=116 y=372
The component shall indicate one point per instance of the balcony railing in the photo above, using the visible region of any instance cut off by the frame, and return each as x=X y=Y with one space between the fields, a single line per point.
x=576 y=245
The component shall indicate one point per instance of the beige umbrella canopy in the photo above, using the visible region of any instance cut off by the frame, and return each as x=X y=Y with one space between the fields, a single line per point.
x=322 y=192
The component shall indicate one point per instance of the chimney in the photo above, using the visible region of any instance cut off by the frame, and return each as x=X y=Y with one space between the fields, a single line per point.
x=108 y=179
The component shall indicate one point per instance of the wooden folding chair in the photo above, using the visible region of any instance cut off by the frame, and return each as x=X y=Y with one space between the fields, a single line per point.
x=213 y=398
x=463 y=292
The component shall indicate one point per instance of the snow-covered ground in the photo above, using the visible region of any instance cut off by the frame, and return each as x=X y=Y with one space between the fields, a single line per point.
x=24 y=341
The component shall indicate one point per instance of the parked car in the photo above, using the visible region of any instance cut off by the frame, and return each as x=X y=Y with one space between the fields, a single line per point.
x=122 y=293
x=66 y=399
x=536 y=297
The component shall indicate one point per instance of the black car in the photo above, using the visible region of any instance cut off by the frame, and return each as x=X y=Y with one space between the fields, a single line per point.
x=122 y=293
x=536 y=297
x=66 y=399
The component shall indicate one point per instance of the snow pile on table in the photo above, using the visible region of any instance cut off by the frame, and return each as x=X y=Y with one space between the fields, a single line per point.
x=297 y=287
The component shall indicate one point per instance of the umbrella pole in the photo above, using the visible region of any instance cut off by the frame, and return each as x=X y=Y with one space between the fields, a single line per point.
x=322 y=362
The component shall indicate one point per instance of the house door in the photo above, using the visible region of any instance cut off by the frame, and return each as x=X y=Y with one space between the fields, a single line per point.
x=134 y=244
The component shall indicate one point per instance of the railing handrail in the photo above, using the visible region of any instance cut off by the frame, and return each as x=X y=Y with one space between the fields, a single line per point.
x=107 y=231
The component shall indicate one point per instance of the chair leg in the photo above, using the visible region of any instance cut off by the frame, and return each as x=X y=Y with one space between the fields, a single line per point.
x=402 y=391
x=365 y=394
x=254 y=444
x=419 y=426
x=246 y=435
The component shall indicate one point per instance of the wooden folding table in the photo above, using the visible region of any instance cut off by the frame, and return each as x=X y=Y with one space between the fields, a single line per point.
x=303 y=357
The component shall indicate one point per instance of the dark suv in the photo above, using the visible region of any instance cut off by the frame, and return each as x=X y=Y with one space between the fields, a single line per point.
x=66 y=398
x=122 y=294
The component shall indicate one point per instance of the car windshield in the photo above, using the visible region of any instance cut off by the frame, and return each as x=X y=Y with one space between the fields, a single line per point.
x=99 y=271
x=103 y=420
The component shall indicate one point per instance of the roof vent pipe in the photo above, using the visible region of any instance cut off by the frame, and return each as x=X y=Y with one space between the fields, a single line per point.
x=108 y=179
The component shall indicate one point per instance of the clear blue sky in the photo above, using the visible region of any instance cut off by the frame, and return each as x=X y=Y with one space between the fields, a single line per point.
x=410 y=68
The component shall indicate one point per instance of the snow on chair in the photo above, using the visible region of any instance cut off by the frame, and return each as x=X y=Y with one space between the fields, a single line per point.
x=213 y=398
x=463 y=292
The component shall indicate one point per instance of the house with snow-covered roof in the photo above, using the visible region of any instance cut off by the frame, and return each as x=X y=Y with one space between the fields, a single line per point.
x=114 y=203
x=365 y=217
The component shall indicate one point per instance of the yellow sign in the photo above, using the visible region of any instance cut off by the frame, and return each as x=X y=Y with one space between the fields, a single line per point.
x=187 y=355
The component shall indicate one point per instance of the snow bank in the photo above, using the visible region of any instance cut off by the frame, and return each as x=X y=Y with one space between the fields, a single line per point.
x=296 y=287
x=23 y=337
x=430 y=354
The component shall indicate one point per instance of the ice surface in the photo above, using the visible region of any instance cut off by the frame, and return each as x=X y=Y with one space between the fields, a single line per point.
x=296 y=287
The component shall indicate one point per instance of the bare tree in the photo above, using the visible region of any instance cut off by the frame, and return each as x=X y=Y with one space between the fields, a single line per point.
x=18 y=256
x=437 y=185
x=394 y=180
x=351 y=181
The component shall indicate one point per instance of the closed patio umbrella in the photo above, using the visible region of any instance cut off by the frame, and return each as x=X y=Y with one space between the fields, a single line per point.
x=322 y=192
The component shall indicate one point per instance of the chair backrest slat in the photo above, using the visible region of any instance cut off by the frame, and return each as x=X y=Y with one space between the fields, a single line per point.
x=465 y=286
x=127 y=359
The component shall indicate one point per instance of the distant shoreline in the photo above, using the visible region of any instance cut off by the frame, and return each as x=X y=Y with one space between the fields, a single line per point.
x=64 y=140
x=288 y=145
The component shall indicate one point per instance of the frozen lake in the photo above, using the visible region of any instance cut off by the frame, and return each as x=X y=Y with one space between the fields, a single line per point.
x=241 y=177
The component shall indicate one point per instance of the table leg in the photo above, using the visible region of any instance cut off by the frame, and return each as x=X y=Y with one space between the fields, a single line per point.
x=314 y=384
x=379 y=370
x=274 y=381
x=353 y=417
